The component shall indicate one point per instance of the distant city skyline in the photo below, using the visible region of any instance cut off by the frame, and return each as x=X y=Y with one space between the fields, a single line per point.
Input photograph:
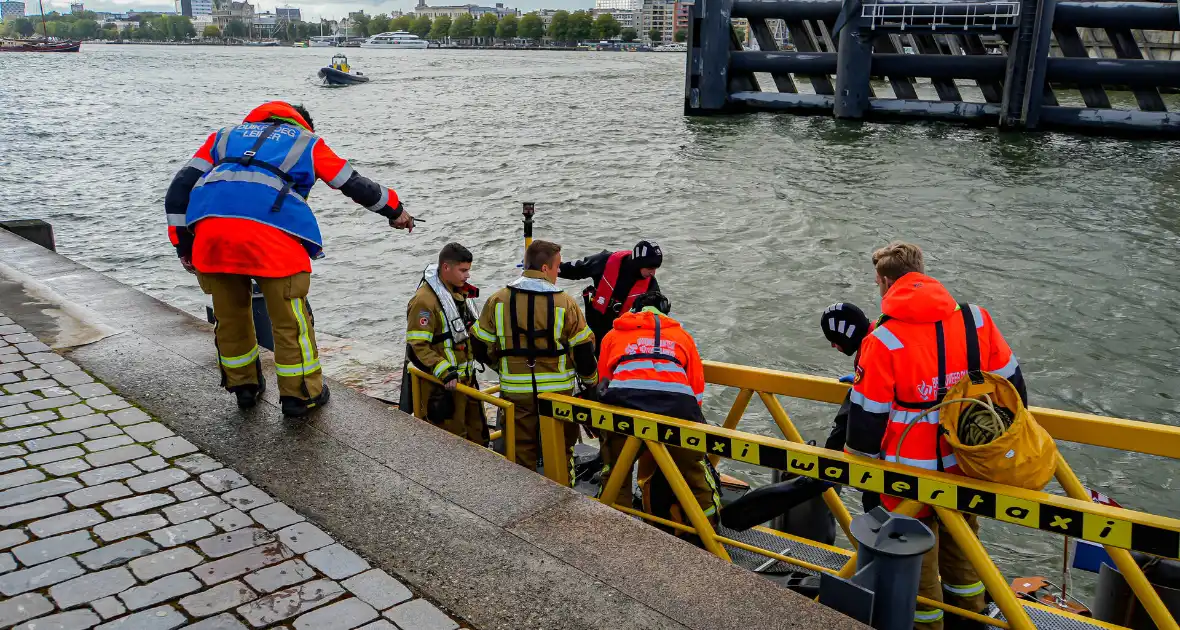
x=329 y=9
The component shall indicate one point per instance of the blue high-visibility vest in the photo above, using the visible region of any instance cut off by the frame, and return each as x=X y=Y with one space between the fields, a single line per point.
x=262 y=172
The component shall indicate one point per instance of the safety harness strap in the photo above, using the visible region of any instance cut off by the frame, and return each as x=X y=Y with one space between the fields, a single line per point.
x=973 y=362
x=248 y=156
x=974 y=367
x=530 y=350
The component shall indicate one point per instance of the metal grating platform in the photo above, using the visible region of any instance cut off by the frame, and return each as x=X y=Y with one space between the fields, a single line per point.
x=1045 y=620
x=763 y=540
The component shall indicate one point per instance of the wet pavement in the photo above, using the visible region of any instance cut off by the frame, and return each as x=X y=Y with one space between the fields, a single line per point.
x=113 y=521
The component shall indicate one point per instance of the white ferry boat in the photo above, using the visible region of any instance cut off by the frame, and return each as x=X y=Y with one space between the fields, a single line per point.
x=398 y=39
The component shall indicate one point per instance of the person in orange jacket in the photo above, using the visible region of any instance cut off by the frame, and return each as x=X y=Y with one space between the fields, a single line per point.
x=650 y=363
x=238 y=212
x=917 y=351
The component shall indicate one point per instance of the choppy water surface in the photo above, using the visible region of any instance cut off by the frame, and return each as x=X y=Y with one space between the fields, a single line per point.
x=1069 y=241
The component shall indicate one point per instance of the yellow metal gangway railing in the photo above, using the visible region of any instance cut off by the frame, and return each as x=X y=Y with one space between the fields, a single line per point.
x=486 y=395
x=951 y=496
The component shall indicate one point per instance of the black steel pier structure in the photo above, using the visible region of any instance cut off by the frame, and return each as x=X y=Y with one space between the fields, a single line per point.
x=1022 y=55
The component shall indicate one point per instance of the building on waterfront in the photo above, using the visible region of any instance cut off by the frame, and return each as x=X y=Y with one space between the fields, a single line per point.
x=682 y=17
x=625 y=17
x=454 y=11
x=11 y=10
x=290 y=14
x=621 y=5
x=226 y=11
x=76 y=8
x=196 y=9
x=659 y=15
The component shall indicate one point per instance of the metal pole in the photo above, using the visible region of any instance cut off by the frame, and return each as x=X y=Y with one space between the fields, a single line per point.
x=688 y=502
x=735 y=415
x=614 y=484
x=529 y=209
x=831 y=498
x=1122 y=558
x=554 y=450
x=997 y=586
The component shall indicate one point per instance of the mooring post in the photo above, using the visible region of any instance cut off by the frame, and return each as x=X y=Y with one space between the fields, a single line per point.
x=854 y=61
x=36 y=230
x=706 y=87
x=1024 y=80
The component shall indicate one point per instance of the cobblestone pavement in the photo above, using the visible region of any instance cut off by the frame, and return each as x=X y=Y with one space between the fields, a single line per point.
x=112 y=521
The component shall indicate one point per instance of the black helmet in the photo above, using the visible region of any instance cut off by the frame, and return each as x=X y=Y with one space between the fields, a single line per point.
x=647 y=254
x=844 y=326
x=655 y=299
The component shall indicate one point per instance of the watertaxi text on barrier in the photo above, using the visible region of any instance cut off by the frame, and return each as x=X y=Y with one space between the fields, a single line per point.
x=951 y=496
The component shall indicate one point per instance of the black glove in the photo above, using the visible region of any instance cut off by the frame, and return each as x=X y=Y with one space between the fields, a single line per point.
x=391 y=212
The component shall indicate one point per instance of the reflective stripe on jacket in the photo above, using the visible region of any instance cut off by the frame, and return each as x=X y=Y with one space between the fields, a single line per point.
x=556 y=326
x=664 y=376
x=431 y=347
x=898 y=374
x=262 y=172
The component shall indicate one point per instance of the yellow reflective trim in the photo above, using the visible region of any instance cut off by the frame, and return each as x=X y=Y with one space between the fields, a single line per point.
x=966 y=590
x=558 y=325
x=483 y=334
x=500 y=325
x=240 y=361
x=420 y=335
x=581 y=337
x=927 y=616
x=442 y=368
x=449 y=351
x=515 y=388
x=304 y=336
x=298 y=369
x=508 y=377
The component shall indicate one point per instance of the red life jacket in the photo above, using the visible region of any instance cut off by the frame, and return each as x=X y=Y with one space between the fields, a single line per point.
x=610 y=278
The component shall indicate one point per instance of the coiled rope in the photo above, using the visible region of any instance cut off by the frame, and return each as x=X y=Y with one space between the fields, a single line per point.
x=981 y=422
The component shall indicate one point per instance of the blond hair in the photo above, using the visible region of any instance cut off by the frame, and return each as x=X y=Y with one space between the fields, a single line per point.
x=897 y=259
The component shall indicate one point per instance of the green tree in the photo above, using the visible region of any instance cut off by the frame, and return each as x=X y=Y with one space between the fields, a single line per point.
x=559 y=28
x=302 y=31
x=463 y=27
x=235 y=28
x=379 y=24
x=531 y=27
x=211 y=31
x=680 y=35
x=441 y=28
x=742 y=34
x=183 y=26
x=401 y=23
x=23 y=27
x=360 y=24
x=84 y=29
x=629 y=34
x=421 y=26
x=581 y=26
x=606 y=27
x=655 y=35
x=110 y=33
x=485 y=27
x=507 y=27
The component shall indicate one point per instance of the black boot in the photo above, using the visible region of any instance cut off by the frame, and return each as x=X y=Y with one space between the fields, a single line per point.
x=248 y=395
x=296 y=407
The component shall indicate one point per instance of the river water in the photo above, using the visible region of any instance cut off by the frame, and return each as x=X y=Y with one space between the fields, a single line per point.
x=1069 y=241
